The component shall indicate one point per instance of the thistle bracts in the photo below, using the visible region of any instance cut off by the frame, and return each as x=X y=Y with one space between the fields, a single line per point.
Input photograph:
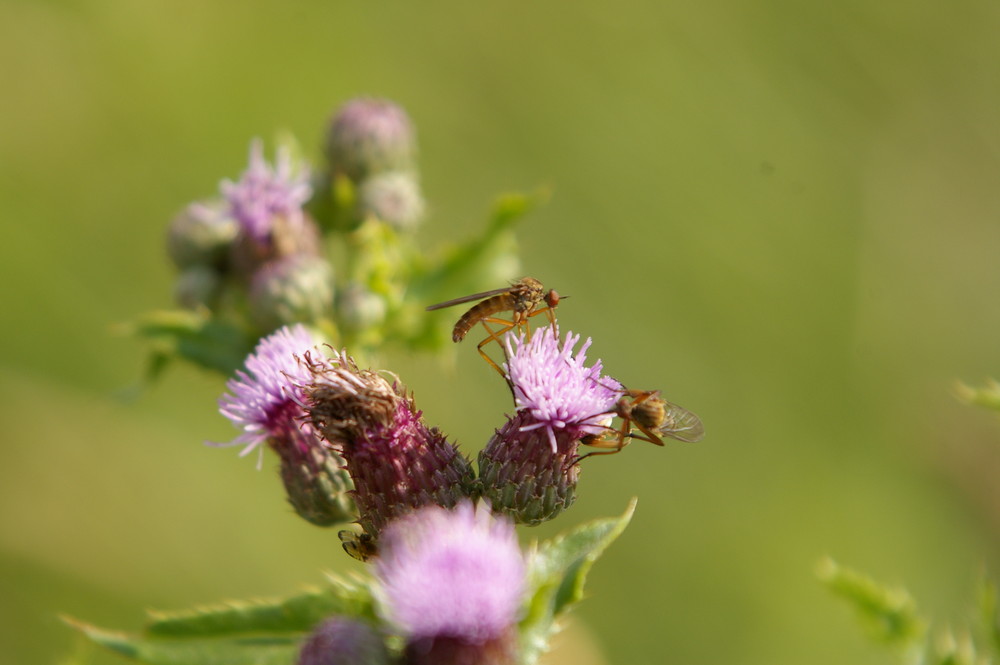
x=528 y=469
x=521 y=476
x=265 y=402
x=396 y=462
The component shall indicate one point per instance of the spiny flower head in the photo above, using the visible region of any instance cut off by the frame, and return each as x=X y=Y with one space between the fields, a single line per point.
x=528 y=470
x=265 y=401
x=396 y=462
x=556 y=388
x=452 y=582
x=262 y=399
x=265 y=193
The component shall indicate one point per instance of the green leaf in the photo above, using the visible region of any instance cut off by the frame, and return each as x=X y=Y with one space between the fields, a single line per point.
x=474 y=265
x=258 y=632
x=889 y=615
x=194 y=336
x=556 y=575
x=988 y=396
x=989 y=612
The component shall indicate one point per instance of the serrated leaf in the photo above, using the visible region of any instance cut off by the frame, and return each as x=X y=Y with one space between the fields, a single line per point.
x=258 y=632
x=556 y=575
x=249 y=650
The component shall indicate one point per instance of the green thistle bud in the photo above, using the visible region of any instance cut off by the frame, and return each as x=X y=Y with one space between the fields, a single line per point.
x=293 y=289
x=359 y=309
x=523 y=477
x=393 y=197
x=315 y=481
x=201 y=235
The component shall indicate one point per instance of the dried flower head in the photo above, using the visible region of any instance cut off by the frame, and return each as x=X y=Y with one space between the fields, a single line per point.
x=452 y=582
x=396 y=462
x=528 y=469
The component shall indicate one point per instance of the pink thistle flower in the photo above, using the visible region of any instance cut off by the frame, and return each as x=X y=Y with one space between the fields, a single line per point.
x=452 y=582
x=265 y=193
x=265 y=402
x=528 y=469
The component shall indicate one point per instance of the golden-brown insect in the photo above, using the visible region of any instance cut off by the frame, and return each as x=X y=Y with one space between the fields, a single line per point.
x=361 y=546
x=522 y=299
x=654 y=416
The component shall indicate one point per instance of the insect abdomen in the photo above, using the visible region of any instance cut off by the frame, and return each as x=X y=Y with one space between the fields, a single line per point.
x=479 y=312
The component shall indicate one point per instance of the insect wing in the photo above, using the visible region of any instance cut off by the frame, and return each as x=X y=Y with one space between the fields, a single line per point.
x=681 y=424
x=465 y=299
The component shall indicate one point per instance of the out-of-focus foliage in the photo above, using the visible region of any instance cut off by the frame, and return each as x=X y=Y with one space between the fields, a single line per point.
x=890 y=617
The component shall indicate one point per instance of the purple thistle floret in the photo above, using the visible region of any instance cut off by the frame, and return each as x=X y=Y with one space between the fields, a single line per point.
x=266 y=403
x=556 y=388
x=529 y=469
x=452 y=582
x=263 y=399
x=265 y=193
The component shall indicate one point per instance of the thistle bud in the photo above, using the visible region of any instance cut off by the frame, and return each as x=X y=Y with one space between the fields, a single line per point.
x=265 y=403
x=528 y=470
x=452 y=583
x=295 y=288
x=369 y=136
x=201 y=235
x=393 y=197
x=315 y=481
x=359 y=309
x=396 y=462
x=344 y=641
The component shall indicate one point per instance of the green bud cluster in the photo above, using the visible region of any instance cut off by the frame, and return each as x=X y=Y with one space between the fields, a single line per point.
x=331 y=246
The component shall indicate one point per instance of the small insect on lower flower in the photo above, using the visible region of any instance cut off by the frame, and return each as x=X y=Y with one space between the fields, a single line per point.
x=522 y=299
x=654 y=416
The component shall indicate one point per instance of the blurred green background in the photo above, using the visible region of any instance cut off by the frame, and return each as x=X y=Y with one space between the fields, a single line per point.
x=784 y=215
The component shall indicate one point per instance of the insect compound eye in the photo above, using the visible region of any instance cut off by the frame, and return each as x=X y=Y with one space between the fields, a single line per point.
x=552 y=298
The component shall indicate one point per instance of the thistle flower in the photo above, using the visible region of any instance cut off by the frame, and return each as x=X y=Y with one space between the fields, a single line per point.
x=452 y=583
x=267 y=205
x=265 y=402
x=396 y=462
x=264 y=193
x=528 y=469
x=344 y=641
x=369 y=136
